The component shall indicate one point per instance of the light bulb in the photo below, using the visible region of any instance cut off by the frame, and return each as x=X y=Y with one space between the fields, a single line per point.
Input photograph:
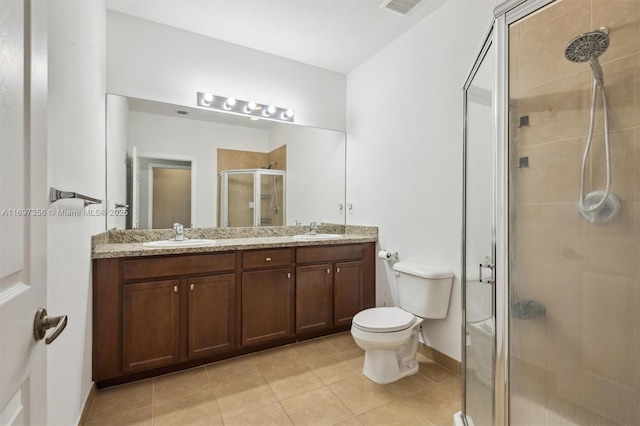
x=207 y=98
x=230 y=102
x=251 y=106
x=270 y=110
x=289 y=113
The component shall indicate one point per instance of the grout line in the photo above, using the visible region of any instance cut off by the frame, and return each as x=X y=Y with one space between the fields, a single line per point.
x=153 y=400
x=286 y=413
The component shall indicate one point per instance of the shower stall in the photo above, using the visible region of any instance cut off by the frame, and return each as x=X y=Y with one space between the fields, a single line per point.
x=252 y=197
x=551 y=230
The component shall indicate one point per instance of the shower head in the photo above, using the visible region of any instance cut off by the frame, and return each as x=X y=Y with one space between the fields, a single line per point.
x=587 y=46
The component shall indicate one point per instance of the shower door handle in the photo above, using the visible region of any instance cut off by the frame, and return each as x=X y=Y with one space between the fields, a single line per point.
x=491 y=267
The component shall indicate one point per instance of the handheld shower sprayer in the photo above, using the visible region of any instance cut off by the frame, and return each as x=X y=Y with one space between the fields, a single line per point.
x=597 y=207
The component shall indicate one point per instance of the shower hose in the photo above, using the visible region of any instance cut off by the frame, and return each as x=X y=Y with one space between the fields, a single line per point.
x=596 y=84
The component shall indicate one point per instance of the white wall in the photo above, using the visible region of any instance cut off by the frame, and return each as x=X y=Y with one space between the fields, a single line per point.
x=168 y=136
x=404 y=160
x=156 y=62
x=76 y=158
x=315 y=172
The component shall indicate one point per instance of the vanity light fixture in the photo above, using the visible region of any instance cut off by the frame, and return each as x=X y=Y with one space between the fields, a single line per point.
x=249 y=108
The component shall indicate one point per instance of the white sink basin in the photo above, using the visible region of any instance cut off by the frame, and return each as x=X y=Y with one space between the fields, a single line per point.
x=183 y=243
x=314 y=237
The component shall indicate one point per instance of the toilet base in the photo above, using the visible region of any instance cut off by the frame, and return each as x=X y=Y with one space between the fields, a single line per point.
x=382 y=367
x=388 y=365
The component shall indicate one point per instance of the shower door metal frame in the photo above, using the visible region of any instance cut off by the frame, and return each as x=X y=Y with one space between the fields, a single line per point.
x=257 y=192
x=504 y=15
x=489 y=40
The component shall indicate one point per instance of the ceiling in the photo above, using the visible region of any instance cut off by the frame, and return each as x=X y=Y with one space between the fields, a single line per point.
x=336 y=35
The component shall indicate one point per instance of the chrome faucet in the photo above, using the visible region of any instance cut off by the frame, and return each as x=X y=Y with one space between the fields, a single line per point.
x=179 y=232
x=313 y=228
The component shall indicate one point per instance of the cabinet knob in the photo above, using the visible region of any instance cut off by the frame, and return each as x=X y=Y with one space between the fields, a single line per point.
x=288 y=274
x=337 y=269
x=328 y=271
x=268 y=259
x=192 y=286
x=175 y=288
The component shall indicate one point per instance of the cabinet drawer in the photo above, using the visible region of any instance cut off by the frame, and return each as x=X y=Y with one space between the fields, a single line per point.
x=178 y=265
x=266 y=258
x=329 y=254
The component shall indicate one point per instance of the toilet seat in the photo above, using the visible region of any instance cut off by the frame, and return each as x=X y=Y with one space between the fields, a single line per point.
x=383 y=320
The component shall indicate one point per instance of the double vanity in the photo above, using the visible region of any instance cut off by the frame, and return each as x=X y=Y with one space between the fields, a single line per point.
x=165 y=308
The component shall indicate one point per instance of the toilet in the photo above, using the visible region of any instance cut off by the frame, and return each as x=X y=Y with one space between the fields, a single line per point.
x=389 y=335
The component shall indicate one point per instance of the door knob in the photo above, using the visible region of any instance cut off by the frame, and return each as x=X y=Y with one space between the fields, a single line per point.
x=43 y=322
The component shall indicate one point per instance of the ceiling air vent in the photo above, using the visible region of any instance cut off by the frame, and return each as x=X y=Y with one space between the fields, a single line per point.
x=403 y=7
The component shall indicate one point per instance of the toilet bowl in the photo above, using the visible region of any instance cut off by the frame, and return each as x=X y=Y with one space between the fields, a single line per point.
x=389 y=335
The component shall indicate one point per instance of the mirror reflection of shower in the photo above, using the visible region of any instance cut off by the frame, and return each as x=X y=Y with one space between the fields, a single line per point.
x=597 y=207
x=274 y=195
x=252 y=197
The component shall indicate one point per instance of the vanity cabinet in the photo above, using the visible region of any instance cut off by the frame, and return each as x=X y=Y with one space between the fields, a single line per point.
x=329 y=294
x=157 y=314
x=266 y=295
x=314 y=297
x=160 y=311
x=151 y=324
x=211 y=315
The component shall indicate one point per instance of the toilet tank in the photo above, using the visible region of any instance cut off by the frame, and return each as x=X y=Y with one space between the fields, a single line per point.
x=422 y=290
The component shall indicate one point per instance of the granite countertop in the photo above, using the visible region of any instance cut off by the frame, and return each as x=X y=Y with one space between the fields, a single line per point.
x=129 y=243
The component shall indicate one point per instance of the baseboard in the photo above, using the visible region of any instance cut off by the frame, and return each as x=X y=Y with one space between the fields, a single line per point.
x=87 y=405
x=441 y=359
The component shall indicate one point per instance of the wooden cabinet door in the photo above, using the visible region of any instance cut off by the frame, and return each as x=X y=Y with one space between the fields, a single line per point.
x=266 y=305
x=347 y=291
x=150 y=324
x=314 y=297
x=211 y=314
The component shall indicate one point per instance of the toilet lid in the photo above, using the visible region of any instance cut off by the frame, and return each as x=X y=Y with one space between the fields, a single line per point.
x=383 y=320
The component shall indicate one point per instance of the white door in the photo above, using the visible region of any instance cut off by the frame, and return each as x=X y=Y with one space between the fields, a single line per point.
x=23 y=203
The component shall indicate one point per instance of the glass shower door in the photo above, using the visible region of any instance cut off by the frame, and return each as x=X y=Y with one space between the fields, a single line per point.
x=574 y=283
x=272 y=198
x=479 y=235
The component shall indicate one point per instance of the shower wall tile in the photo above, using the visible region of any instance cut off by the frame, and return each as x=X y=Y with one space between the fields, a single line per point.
x=626 y=226
x=610 y=335
x=552 y=236
x=625 y=158
x=278 y=155
x=514 y=62
x=559 y=10
x=586 y=276
x=553 y=174
x=542 y=55
x=557 y=288
x=557 y=110
x=615 y=256
x=623 y=21
x=622 y=84
x=231 y=159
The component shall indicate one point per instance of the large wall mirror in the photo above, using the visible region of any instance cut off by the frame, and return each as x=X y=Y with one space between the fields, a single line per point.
x=170 y=163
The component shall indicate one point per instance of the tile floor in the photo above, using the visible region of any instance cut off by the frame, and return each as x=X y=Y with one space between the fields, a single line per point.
x=317 y=382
